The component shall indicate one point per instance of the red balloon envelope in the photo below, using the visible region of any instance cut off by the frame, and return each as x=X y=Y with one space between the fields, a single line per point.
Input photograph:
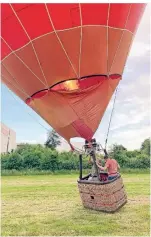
x=66 y=60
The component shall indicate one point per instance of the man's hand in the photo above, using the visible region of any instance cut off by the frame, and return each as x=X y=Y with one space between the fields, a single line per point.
x=100 y=165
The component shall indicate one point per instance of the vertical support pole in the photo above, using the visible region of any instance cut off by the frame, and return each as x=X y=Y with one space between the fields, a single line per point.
x=95 y=166
x=80 y=160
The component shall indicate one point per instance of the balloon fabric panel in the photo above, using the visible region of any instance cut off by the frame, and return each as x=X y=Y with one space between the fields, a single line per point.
x=66 y=60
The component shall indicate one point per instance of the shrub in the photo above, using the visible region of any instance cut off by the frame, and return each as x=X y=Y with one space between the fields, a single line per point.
x=12 y=161
x=49 y=160
x=141 y=162
x=68 y=161
x=37 y=157
x=32 y=159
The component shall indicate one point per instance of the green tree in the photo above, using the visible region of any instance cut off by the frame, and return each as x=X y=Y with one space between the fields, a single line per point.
x=132 y=154
x=22 y=147
x=145 y=147
x=116 y=149
x=139 y=162
x=118 y=152
x=53 y=140
x=4 y=161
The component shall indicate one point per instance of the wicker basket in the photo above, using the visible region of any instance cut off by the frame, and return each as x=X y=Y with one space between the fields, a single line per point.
x=106 y=196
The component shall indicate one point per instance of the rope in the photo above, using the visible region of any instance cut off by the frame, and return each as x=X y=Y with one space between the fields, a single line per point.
x=110 y=119
x=27 y=111
x=75 y=148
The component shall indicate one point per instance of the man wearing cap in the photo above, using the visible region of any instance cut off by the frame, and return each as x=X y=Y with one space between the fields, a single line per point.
x=111 y=165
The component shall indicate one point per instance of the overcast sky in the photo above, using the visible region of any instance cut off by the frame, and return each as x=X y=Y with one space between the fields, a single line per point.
x=130 y=123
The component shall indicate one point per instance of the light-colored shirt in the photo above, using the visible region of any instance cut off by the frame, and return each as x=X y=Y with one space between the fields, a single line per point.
x=112 y=166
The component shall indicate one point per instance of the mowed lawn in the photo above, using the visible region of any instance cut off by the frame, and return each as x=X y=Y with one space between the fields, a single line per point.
x=50 y=205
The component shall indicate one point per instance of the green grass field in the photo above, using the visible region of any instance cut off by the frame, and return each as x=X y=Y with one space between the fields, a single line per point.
x=50 y=205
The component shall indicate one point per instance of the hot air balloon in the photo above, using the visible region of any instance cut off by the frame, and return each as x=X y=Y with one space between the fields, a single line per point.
x=66 y=60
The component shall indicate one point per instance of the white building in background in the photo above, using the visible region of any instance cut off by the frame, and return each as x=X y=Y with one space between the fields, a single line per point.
x=8 y=139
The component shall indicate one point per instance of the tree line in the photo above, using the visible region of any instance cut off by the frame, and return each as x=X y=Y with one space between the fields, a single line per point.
x=46 y=157
x=39 y=157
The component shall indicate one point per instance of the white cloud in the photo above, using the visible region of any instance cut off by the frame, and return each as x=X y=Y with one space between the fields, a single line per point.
x=128 y=69
x=137 y=90
x=28 y=141
x=143 y=32
x=130 y=121
x=133 y=103
x=141 y=44
x=132 y=139
x=139 y=49
x=42 y=138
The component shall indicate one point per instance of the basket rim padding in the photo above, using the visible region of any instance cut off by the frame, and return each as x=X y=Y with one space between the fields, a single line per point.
x=99 y=182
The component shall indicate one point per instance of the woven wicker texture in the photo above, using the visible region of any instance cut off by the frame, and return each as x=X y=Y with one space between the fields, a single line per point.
x=107 y=197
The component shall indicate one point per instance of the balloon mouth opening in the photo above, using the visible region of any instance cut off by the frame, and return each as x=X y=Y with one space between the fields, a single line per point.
x=86 y=82
x=68 y=85
x=74 y=85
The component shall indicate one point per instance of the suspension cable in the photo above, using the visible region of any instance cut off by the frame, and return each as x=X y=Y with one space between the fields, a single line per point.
x=76 y=149
x=27 y=111
x=111 y=118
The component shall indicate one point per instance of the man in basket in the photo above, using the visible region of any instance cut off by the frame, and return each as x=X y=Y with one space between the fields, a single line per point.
x=111 y=166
